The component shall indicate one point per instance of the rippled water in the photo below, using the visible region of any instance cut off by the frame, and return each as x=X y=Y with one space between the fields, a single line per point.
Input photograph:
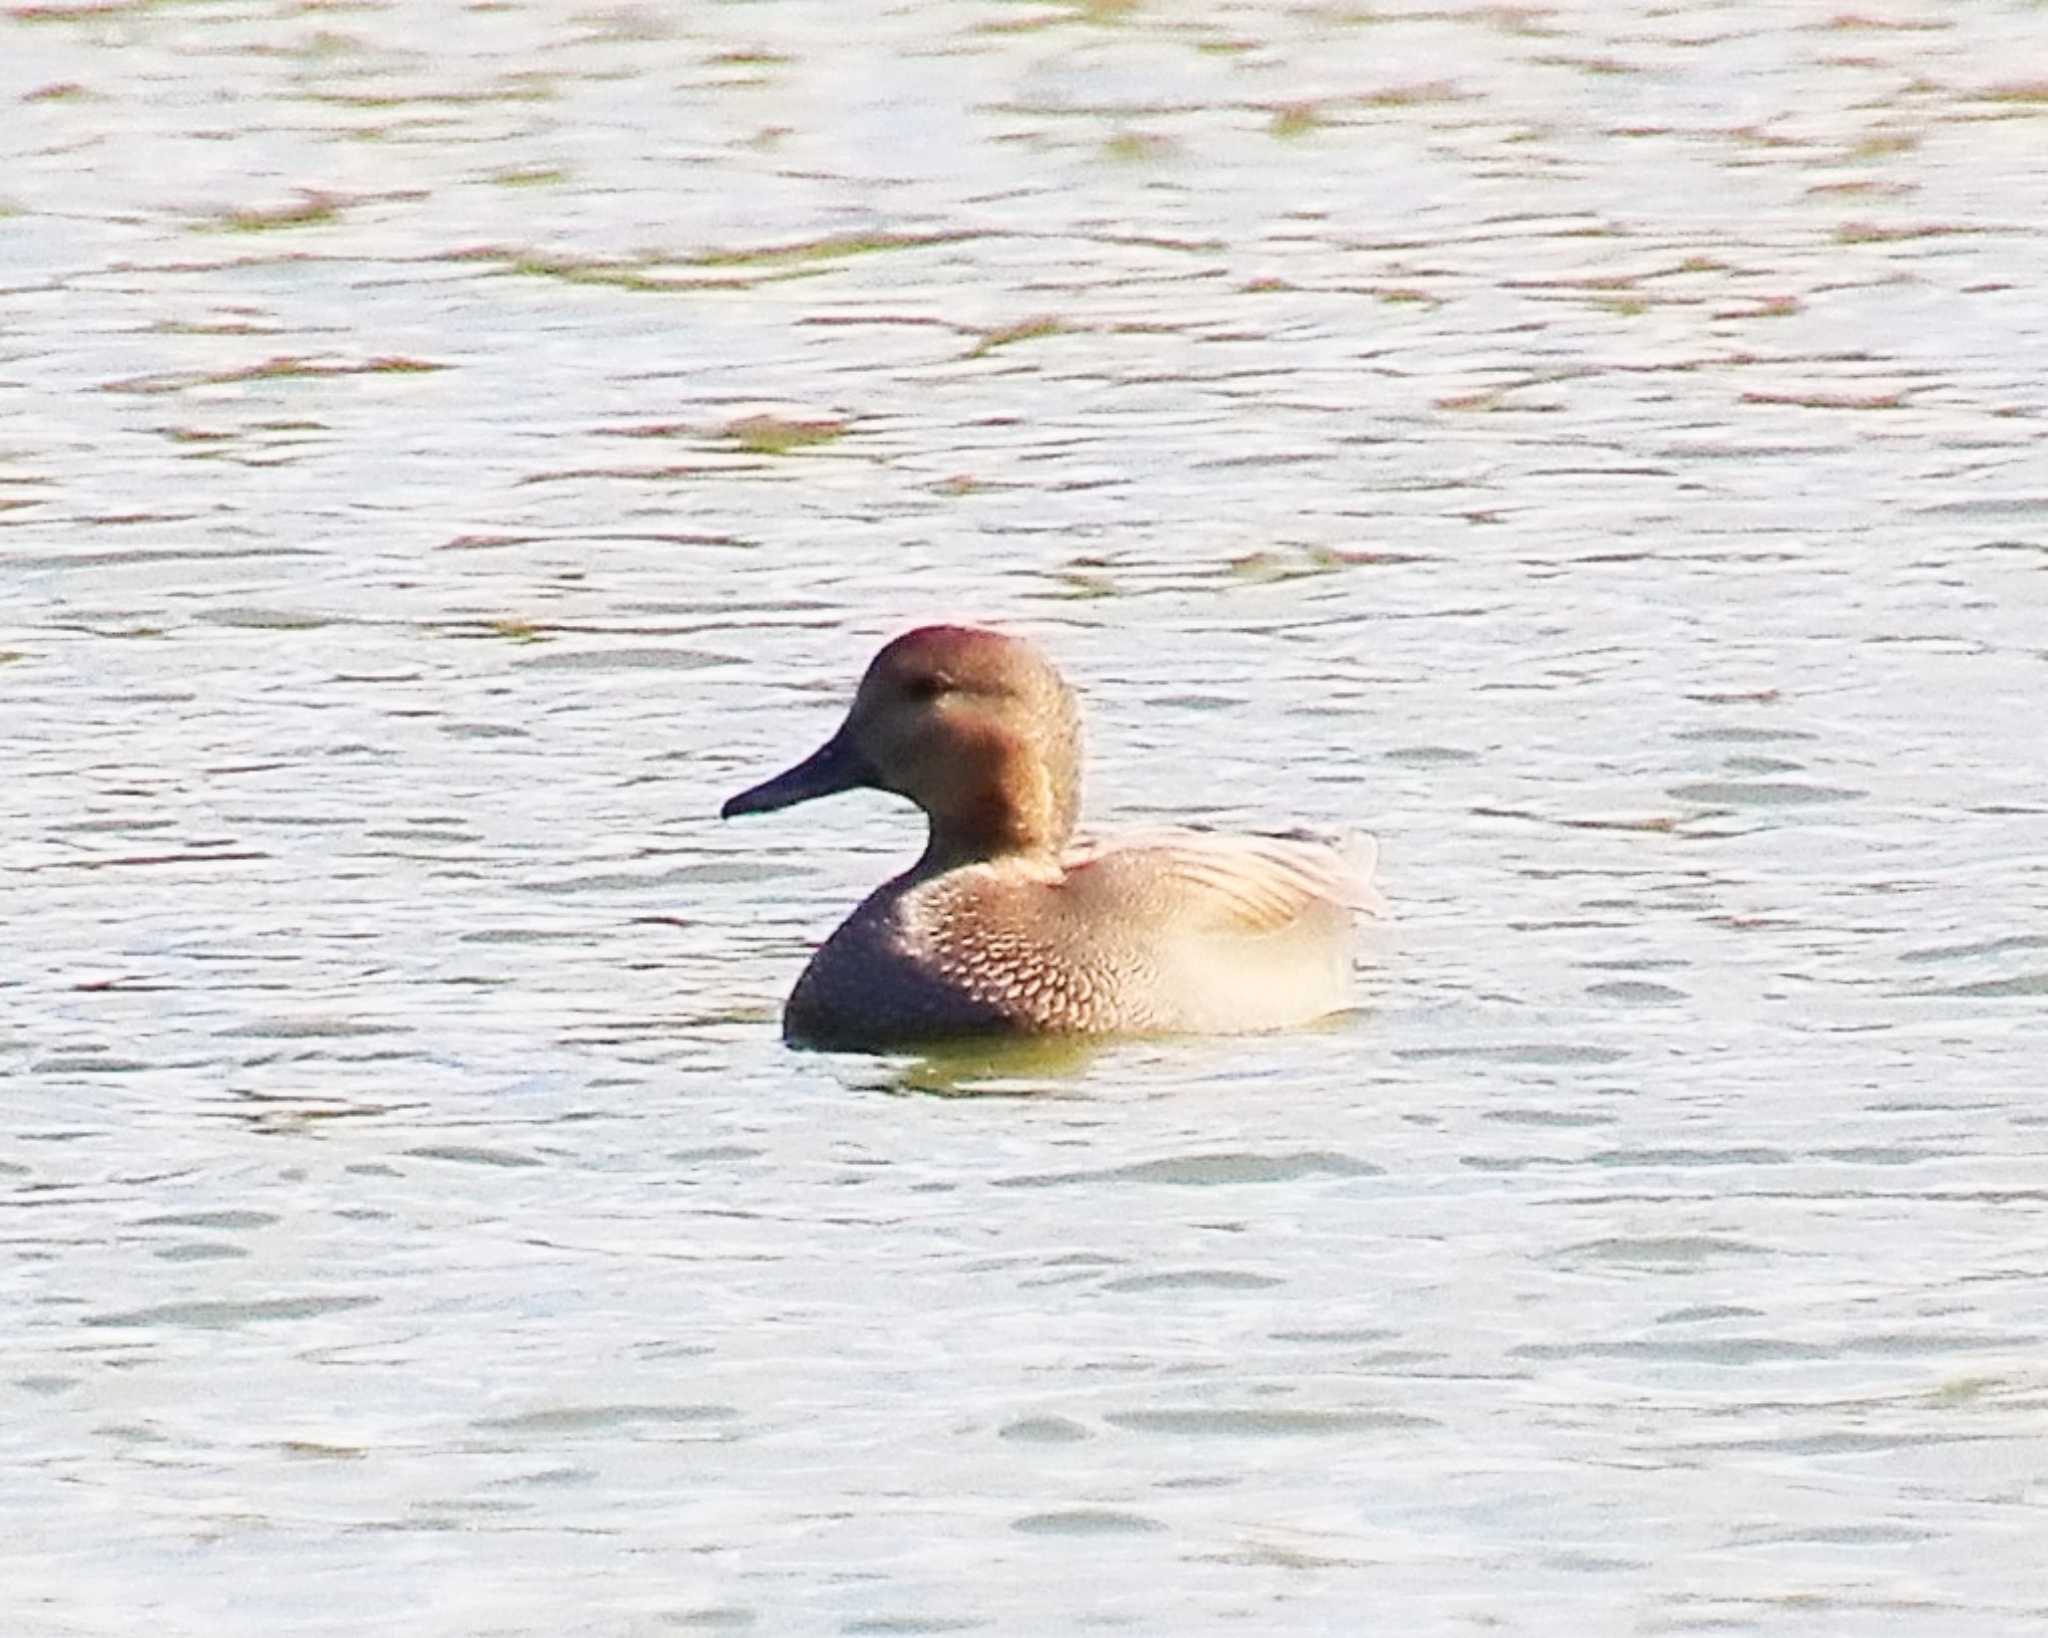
x=445 y=449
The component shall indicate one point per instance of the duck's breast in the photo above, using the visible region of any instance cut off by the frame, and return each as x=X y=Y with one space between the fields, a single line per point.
x=876 y=983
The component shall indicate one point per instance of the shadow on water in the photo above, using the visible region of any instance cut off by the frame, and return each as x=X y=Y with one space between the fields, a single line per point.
x=1054 y=1066
x=991 y=1069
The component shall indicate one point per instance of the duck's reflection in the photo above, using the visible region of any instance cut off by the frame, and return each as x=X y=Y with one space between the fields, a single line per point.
x=1000 y=1067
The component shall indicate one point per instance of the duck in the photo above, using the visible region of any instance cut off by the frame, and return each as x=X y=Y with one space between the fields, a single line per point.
x=1011 y=923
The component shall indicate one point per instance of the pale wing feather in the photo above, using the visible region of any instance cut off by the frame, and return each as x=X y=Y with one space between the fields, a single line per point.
x=1247 y=883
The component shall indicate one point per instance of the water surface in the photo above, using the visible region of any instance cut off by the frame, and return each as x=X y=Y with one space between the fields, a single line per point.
x=446 y=449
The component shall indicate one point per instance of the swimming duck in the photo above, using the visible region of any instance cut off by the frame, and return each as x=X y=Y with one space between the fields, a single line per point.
x=1008 y=924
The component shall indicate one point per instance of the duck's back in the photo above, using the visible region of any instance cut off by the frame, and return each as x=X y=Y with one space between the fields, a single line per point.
x=1159 y=932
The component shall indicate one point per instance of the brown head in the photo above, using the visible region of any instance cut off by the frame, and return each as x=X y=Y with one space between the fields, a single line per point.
x=974 y=727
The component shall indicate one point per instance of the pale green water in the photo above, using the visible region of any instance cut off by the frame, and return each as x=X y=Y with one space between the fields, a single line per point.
x=445 y=450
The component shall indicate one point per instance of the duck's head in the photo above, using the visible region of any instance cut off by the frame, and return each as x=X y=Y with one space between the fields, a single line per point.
x=974 y=727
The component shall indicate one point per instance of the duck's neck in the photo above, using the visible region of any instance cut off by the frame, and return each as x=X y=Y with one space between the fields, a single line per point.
x=1019 y=797
x=1030 y=818
x=946 y=850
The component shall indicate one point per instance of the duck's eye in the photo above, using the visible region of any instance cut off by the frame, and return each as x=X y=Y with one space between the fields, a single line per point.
x=924 y=686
